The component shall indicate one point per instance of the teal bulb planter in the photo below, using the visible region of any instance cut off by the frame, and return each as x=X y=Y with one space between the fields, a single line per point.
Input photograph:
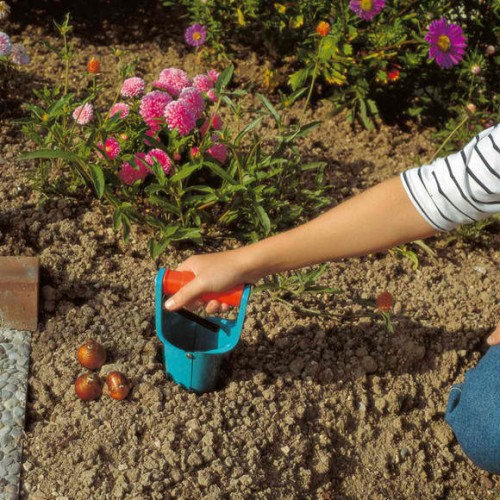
x=192 y=353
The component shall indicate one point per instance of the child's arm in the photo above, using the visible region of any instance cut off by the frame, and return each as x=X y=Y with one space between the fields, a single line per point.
x=375 y=220
x=462 y=188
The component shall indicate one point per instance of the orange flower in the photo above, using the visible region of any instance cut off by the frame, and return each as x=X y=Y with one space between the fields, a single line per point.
x=384 y=301
x=94 y=65
x=393 y=74
x=323 y=28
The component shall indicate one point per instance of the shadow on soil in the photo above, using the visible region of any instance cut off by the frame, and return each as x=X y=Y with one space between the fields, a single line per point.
x=108 y=21
x=412 y=349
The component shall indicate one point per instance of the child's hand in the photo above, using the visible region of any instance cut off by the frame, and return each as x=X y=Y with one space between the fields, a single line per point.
x=494 y=338
x=214 y=273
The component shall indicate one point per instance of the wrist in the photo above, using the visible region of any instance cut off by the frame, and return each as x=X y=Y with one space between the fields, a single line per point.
x=250 y=263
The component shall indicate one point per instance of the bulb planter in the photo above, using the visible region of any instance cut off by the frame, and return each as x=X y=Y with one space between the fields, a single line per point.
x=192 y=352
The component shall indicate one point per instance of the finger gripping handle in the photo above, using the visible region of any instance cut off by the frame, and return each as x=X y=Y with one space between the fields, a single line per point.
x=173 y=281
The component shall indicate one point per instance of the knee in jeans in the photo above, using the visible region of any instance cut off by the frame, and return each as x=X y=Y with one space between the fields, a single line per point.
x=473 y=412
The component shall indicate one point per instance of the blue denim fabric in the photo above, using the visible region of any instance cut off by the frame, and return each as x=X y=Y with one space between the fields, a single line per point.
x=473 y=412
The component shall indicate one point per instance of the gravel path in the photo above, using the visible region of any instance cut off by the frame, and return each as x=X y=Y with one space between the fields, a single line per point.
x=14 y=362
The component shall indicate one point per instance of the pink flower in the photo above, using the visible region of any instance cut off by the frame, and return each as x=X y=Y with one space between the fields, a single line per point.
x=111 y=147
x=153 y=106
x=161 y=157
x=202 y=83
x=194 y=99
x=195 y=152
x=120 y=107
x=83 y=114
x=212 y=95
x=173 y=80
x=180 y=117
x=129 y=175
x=213 y=74
x=5 y=44
x=215 y=123
x=19 y=55
x=133 y=87
x=177 y=156
x=218 y=151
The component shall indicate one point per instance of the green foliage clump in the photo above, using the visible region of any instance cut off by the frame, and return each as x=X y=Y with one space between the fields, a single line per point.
x=258 y=187
x=372 y=69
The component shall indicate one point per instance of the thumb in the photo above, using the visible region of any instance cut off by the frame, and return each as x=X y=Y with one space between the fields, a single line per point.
x=494 y=338
x=185 y=295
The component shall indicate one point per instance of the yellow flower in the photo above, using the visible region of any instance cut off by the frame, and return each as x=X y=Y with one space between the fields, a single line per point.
x=299 y=21
x=270 y=79
x=280 y=8
x=45 y=117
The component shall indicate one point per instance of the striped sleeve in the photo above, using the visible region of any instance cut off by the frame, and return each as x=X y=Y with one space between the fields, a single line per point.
x=460 y=189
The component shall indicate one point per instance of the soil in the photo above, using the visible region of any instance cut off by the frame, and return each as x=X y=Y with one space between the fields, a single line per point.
x=325 y=406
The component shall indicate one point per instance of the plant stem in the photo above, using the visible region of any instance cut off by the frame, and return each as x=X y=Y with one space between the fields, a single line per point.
x=178 y=201
x=313 y=81
x=390 y=47
x=452 y=133
x=66 y=64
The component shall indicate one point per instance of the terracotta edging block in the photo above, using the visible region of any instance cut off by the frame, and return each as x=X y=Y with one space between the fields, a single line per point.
x=19 y=278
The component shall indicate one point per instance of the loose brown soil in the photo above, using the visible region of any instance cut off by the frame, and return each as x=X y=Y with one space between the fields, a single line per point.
x=309 y=407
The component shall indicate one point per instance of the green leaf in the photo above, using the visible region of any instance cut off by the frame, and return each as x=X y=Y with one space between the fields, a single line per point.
x=160 y=202
x=224 y=78
x=117 y=219
x=199 y=189
x=49 y=154
x=158 y=247
x=229 y=102
x=270 y=108
x=158 y=172
x=185 y=172
x=263 y=217
x=298 y=79
x=302 y=131
x=247 y=129
x=188 y=233
x=365 y=119
x=312 y=165
x=216 y=169
x=328 y=48
x=372 y=106
x=97 y=179
x=120 y=219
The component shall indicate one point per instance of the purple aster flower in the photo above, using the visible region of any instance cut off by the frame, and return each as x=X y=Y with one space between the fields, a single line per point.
x=367 y=9
x=195 y=35
x=447 y=43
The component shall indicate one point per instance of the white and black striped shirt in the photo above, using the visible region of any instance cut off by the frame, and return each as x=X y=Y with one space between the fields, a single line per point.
x=462 y=188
